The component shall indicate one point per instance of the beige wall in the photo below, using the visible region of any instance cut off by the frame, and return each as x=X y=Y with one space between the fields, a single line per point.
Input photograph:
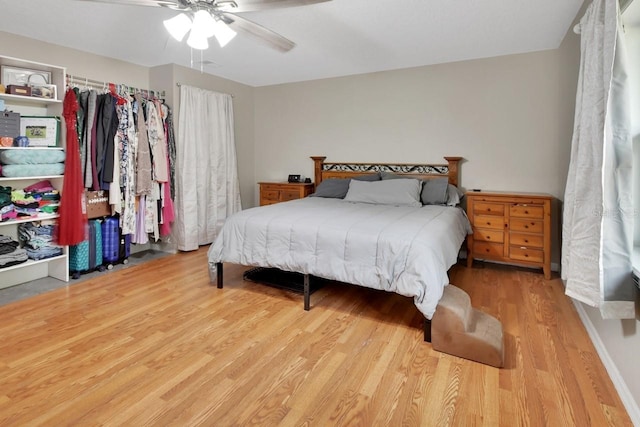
x=509 y=117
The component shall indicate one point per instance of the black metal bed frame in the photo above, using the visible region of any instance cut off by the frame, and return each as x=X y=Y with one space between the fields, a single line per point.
x=307 y=297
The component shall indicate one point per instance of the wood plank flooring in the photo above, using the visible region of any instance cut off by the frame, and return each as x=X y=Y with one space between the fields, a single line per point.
x=156 y=344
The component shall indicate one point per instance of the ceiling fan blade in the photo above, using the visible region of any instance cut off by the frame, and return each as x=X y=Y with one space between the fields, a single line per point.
x=239 y=6
x=271 y=38
x=173 y=4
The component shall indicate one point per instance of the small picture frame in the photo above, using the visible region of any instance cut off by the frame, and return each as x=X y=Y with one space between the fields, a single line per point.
x=23 y=76
x=44 y=91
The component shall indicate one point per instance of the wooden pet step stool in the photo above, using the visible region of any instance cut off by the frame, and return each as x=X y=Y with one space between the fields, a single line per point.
x=461 y=330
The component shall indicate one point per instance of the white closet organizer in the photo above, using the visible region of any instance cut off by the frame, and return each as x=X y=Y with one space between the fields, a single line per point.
x=57 y=267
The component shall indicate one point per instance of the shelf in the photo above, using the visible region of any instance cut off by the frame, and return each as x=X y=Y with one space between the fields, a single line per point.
x=33 y=147
x=21 y=99
x=29 y=178
x=41 y=217
x=31 y=262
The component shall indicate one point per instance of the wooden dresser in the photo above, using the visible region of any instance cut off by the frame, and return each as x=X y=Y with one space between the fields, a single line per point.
x=276 y=192
x=513 y=228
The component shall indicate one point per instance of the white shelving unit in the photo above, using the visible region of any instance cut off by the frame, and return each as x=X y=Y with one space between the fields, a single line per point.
x=57 y=267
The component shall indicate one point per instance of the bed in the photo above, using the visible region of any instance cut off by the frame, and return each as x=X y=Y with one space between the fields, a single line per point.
x=405 y=248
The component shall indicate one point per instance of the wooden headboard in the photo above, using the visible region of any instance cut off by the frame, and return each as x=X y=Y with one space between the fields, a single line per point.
x=323 y=170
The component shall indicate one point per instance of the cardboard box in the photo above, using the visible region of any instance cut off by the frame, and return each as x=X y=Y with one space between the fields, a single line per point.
x=97 y=204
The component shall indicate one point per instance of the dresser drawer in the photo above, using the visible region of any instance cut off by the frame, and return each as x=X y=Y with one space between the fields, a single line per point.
x=526 y=211
x=270 y=187
x=531 y=226
x=488 y=235
x=526 y=254
x=489 y=221
x=482 y=249
x=527 y=240
x=484 y=208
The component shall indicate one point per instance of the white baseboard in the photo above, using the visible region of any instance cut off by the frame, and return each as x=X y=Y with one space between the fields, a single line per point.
x=619 y=383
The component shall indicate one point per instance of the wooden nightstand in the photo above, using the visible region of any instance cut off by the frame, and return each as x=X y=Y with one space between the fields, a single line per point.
x=276 y=192
x=513 y=228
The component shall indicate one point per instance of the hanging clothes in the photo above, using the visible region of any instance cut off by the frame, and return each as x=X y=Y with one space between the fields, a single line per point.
x=88 y=137
x=73 y=214
x=125 y=148
x=157 y=142
x=143 y=160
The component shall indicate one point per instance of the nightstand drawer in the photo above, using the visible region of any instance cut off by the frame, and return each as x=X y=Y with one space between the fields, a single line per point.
x=275 y=192
x=531 y=226
x=526 y=254
x=481 y=249
x=528 y=240
x=488 y=235
x=489 y=221
x=287 y=194
x=270 y=195
x=483 y=208
x=526 y=211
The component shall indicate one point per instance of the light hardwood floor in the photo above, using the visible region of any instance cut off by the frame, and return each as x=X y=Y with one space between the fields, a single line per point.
x=155 y=344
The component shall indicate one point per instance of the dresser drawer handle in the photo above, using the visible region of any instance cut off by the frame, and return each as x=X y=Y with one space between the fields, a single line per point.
x=523 y=247
x=526 y=212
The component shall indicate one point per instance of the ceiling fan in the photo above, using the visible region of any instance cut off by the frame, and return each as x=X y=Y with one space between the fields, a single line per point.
x=206 y=18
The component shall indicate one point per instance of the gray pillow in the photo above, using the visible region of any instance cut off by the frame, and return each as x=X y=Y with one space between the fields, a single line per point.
x=337 y=188
x=396 y=192
x=434 y=191
x=454 y=195
x=390 y=175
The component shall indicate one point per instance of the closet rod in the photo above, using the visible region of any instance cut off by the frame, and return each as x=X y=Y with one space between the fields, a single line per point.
x=105 y=85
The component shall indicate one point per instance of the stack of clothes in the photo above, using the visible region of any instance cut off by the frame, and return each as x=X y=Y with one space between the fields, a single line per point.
x=31 y=201
x=37 y=240
x=10 y=253
x=7 y=210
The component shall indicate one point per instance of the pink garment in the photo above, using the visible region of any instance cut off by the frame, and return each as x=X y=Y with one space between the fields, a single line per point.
x=40 y=186
x=168 y=215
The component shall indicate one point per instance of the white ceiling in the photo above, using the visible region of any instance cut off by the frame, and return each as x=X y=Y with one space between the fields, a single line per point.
x=335 y=38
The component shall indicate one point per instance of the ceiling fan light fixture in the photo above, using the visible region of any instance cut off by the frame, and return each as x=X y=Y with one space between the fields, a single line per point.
x=224 y=34
x=197 y=41
x=178 y=26
x=204 y=24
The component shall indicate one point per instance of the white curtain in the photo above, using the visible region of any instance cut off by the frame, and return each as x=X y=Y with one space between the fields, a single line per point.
x=598 y=211
x=207 y=188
